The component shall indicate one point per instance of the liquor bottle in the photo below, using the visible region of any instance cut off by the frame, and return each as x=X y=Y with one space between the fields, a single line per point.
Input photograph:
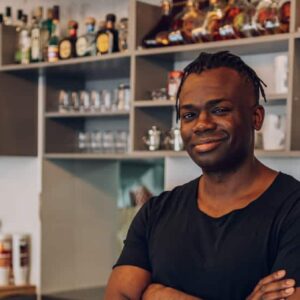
x=235 y=15
x=19 y=25
x=249 y=27
x=67 y=46
x=190 y=18
x=123 y=34
x=209 y=31
x=86 y=44
x=46 y=32
x=54 y=39
x=107 y=38
x=158 y=36
x=1 y=19
x=284 y=15
x=8 y=17
x=267 y=17
x=36 y=37
x=24 y=41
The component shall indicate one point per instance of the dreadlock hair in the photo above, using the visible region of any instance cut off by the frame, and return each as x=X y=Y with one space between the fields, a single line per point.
x=207 y=61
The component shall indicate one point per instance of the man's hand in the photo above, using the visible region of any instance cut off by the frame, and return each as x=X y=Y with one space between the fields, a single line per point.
x=273 y=287
x=160 y=292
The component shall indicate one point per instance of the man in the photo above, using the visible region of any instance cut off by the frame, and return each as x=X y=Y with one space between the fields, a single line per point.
x=234 y=232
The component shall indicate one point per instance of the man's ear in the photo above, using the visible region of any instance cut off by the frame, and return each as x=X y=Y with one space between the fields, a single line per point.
x=258 y=117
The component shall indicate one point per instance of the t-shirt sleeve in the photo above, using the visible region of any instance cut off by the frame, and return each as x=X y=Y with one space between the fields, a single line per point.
x=288 y=256
x=135 y=250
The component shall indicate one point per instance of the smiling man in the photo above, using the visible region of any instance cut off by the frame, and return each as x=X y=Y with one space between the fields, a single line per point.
x=234 y=232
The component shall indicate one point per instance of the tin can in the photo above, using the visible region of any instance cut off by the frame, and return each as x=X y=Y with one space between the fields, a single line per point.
x=174 y=80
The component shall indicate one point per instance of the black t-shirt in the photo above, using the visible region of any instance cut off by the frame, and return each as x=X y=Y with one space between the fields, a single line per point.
x=217 y=258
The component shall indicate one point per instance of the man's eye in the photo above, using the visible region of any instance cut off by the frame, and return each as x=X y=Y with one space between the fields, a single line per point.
x=220 y=110
x=188 y=115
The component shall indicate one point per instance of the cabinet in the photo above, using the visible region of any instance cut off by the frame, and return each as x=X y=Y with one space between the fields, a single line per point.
x=80 y=191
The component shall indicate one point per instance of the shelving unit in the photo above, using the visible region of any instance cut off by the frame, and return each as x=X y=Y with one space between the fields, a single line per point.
x=82 y=188
x=11 y=291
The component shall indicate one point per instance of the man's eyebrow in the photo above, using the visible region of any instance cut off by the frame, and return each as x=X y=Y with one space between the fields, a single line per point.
x=209 y=103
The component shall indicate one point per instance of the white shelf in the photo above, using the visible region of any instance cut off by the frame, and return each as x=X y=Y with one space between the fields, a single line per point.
x=85 y=114
x=155 y=154
x=153 y=103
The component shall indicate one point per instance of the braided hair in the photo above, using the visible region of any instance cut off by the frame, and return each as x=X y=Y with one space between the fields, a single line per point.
x=207 y=61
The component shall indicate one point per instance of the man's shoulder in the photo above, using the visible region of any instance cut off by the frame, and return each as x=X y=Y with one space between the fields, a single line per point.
x=178 y=193
x=288 y=184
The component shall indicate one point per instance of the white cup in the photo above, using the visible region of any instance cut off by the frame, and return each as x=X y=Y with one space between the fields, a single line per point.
x=5 y=259
x=281 y=74
x=273 y=132
x=21 y=255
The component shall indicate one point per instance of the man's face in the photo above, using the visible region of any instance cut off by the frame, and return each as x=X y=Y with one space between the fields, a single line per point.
x=218 y=117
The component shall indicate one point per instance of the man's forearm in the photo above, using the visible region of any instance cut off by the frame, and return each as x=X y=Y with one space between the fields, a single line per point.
x=161 y=292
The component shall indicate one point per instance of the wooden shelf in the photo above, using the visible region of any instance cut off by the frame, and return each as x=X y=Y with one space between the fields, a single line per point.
x=156 y=154
x=62 y=63
x=86 y=114
x=17 y=290
x=88 y=67
x=246 y=46
x=271 y=99
x=153 y=103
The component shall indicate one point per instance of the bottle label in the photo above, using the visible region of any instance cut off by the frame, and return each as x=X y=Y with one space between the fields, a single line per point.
x=5 y=253
x=53 y=53
x=104 y=43
x=25 y=47
x=81 y=46
x=35 y=44
x=65 y=49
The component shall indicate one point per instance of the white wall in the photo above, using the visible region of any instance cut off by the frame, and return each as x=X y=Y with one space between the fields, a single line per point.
x=19 y=202
x=180 y=170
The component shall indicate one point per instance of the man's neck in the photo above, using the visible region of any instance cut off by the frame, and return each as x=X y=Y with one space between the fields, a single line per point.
x=223 y=190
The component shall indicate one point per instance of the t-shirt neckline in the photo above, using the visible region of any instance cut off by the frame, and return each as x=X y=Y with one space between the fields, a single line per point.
x=235 y=211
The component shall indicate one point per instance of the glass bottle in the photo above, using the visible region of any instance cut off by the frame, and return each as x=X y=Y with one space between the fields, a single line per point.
x=55 y=37
x=19 y=25
x=46 y=31
x=108 y=38
x=187 y=20
x=67 y=46
x=209 y=31
x=8 y=17
x=284 y=15
x=267 y=17
x=123 y=34
x=158 y=36
x=24 y=41
x=36 y=38
x=235 y=16
x=86 y=44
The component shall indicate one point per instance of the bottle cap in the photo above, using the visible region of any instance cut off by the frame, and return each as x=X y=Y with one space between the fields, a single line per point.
x=38 y=12
x=90 y=21
x=55 y=12
x=111 y=17
x=19 y=14
x=8 y=11
x=72 y=24
x=24 y=18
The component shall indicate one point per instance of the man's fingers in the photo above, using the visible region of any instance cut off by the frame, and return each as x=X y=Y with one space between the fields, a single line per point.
x=270 y=278
x=282 y=294
x=277 y=285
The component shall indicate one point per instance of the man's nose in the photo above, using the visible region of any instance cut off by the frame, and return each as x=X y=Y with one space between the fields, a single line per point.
x=203 y=123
